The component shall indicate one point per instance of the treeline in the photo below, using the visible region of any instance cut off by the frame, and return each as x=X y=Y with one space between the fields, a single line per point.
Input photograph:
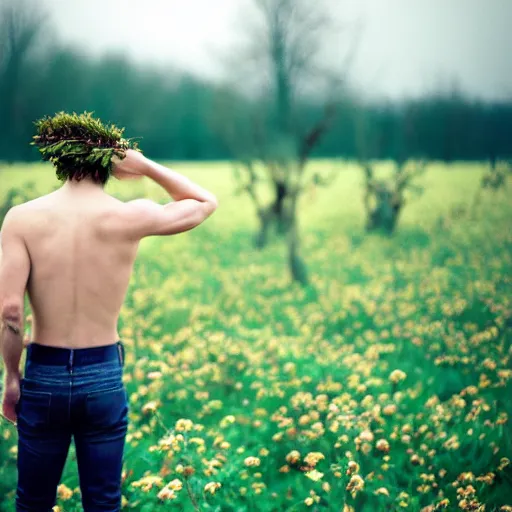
x=177 y=116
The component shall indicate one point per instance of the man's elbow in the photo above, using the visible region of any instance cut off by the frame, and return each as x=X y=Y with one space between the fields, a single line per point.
x=11 y=315
x=211 y=205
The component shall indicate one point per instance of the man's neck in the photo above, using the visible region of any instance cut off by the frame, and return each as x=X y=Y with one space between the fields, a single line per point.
x=86 y=184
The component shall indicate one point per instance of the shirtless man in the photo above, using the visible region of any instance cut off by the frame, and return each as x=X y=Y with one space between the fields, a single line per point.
x=73 y=251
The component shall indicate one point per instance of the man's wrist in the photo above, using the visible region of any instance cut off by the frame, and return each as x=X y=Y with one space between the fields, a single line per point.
x=147 y=167
x=12 y=376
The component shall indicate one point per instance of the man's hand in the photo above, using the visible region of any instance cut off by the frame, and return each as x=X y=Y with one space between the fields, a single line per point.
x=11 y=397
x=131 y=167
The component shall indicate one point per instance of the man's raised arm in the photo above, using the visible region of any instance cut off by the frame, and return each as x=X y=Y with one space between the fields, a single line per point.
x=192 y=203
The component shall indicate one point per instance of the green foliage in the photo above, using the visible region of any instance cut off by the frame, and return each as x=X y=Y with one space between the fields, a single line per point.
x=183 y=118
x=80 y=145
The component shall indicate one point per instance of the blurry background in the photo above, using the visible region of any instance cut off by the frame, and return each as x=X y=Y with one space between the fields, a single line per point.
x=157 y=68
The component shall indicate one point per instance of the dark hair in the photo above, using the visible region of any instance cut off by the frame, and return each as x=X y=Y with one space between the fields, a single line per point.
x=80 y=146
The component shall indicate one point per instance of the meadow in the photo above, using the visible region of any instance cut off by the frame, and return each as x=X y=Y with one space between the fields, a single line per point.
x=384 y=386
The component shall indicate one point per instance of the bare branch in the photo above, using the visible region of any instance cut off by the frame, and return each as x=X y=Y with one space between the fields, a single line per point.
x=313 y=137
x=405 y=175
x=368 y=170
x=250 y=187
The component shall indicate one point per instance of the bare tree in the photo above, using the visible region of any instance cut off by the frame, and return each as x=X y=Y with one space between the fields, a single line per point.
x=384 y=199
x=21 y=22
x=495 y=177
x=284 y=64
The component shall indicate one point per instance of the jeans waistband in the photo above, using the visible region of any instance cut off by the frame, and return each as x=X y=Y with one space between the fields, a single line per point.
x=58 y=356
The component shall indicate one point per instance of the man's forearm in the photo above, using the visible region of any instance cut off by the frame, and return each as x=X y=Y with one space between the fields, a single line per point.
x=11 y=346
x=178 y=186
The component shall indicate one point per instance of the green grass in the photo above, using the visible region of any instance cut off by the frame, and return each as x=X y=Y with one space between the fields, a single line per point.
x=261 y=367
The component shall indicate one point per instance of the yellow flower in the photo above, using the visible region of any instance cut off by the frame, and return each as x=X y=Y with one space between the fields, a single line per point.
x=382 y=491
x=382 y=445
x=64 y=492
x=312 y=498
x=397 y=376
x=252 y=461
x=355 y=485
x=353 y=467
x=293 y=457
x=389 y=410
x=366 y=435
x=212 y=487
x=148 y=482
x=312 y=458
x=417 y=460
x=227 y=420
x=175 y=485
x=258 y=487
x=504 y=462
x=167 y=494
x=184 y=425
x=488 y=478
x=314 y=475
x=150 y=407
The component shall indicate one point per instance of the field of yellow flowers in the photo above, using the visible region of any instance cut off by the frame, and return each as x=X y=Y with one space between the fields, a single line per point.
x=385 y=386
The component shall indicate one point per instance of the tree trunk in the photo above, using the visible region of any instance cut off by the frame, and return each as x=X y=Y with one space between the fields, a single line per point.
x=261 y=239
x=296 y=264
x=281 y=215
x=384 y=216
x=278 y=215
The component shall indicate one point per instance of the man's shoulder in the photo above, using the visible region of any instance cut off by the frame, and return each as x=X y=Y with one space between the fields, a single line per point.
x=18 y=213
x=32 y=204
x=14 y=215
x=21 y=215
x=12 y=223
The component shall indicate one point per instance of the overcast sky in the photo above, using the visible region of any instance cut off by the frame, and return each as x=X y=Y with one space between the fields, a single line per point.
x=407 y=46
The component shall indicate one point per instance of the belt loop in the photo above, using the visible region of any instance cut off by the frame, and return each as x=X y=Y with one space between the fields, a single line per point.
x=120 y=350
x=70 y=361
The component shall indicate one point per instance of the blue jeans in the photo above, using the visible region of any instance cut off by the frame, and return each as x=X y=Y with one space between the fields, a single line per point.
x=65 y=393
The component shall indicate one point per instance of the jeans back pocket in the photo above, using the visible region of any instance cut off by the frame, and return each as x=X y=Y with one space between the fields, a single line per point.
x=33 y=408
x=107 y=408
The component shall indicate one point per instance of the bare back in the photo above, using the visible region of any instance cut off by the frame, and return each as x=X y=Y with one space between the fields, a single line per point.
x=81 y=262
x=73 y=251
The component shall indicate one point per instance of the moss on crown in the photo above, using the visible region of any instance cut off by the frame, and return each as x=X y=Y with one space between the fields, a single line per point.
x=80 y=145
